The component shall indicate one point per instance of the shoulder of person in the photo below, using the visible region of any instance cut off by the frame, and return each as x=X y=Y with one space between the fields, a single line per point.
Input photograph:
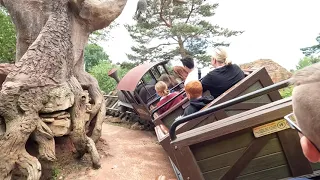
x=191 y=108
x=170 y=95
x=175 y=93
x=187 y=111
x=235 y=66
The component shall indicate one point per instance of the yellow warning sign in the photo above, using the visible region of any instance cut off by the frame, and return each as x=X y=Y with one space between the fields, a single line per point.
x=270 y=128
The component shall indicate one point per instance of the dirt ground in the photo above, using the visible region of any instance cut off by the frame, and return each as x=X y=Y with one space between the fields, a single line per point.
x=125 y=154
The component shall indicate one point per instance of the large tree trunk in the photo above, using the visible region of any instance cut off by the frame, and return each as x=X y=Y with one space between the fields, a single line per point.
x=182 y=50
x=48 y=84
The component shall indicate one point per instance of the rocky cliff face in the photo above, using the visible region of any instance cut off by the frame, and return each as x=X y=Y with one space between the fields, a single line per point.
x=276 y=72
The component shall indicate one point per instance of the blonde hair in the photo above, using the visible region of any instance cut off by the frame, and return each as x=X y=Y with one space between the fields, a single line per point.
x=221 y=56
x=162 y=87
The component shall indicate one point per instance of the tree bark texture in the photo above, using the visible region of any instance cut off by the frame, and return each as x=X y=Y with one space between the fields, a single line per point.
x=182 y=50
x=47 y=88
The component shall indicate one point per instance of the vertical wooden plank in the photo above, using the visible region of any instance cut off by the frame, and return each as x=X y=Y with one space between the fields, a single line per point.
x=267 y=81
x=253 y=149
x=221 y=114
x=187 y=164
x=290 y=143
x=165 y=143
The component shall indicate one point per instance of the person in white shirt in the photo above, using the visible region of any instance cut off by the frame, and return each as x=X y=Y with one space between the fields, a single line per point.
x=193 y=73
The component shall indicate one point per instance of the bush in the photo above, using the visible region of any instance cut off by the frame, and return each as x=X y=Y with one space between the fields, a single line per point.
x=7 y=38
x=286 y=92
x=100 y=72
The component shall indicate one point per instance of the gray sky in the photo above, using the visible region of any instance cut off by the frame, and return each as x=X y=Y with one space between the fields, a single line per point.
x=274 y=29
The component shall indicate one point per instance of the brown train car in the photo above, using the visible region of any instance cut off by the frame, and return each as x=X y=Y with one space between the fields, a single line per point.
x=248 y=144
x=136 y=91
x=230 y=142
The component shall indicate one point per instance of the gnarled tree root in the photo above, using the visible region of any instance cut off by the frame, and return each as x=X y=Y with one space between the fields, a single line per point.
x=82 y=142
x=98 y=110
x=13 y=152
x=44 y=137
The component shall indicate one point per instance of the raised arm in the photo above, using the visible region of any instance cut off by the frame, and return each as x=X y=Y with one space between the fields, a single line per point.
x=98 y=13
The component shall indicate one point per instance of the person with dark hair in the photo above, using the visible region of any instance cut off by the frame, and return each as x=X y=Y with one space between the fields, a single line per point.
x=189 y=66
x=224 y=76
x=188 y=63
x=169 y=80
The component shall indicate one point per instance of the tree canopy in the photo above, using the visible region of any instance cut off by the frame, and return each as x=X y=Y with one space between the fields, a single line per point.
x=93 y=55
x=7 y=38
x=172 y=31
x=100 y=72
x=311 y=55
x=307 y=61
x=102 y=34
x=312 y=50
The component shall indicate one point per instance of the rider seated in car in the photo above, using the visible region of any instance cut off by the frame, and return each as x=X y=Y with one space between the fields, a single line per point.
x=162 y=90
x=194 y=93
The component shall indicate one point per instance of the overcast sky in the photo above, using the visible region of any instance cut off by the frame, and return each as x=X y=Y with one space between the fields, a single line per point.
x=274 y=29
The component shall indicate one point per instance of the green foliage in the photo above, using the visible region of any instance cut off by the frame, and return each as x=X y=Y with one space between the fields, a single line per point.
x=128 y=65
x=286 y=92
x=100 y=72
x=7 y=38
x=93 y=55
x=304 y=62
x=307 y=61
x=312 y=50
x=172 y=31
x=55 y=173
x=102 y=34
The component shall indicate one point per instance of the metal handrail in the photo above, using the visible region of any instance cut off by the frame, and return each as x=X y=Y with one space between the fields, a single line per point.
x=170 y=100
x=223 y=105
x=149 y=104
x=157 y=109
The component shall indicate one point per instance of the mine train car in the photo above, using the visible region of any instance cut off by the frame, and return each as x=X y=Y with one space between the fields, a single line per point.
x=136 y=90
x=239 y=135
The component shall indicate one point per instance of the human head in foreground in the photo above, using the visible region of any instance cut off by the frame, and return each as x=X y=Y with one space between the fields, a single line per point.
x=306 y=108
x=194 y=89
x=162 y=89
x=188 y=63
x=220 y=58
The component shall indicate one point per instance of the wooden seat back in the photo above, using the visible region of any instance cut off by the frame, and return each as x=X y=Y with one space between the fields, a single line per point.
x=254 y=81
x=256 y=144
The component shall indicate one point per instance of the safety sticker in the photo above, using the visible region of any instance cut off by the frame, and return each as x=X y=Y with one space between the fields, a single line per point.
x=270 y=128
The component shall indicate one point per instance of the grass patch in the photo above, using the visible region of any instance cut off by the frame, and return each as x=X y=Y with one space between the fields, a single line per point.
x=55 y=173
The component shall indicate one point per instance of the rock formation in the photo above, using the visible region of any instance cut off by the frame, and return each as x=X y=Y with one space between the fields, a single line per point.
x=276 y=72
